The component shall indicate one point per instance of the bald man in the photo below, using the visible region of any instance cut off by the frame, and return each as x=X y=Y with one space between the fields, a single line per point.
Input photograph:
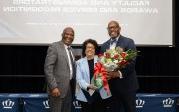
x=123 y=83
x=60 y=72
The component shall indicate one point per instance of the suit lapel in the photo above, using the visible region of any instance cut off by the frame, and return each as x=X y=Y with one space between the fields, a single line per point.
x=85 y=63
x=120 y=43
x=107 y=44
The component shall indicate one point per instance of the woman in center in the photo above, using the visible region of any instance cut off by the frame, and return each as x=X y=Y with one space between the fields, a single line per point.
x=90 y=97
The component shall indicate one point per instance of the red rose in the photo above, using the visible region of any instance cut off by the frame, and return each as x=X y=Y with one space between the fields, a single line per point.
x=123 y=54
x=100 y=55
x=108 y=55
x=116 y=56
x=123 y=62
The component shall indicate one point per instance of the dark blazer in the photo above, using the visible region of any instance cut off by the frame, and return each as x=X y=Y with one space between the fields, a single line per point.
x=129 y=81
x=57 y=70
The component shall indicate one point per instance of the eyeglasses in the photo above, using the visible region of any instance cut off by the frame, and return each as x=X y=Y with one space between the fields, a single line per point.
x=112 y=27
x=90 y=47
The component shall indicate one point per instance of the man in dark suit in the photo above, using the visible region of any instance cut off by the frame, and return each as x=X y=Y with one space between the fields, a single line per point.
x=123 y=83
x=60 y=73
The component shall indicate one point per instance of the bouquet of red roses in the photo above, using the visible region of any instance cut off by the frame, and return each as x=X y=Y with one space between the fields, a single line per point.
x=116 y=58
x=111 y=60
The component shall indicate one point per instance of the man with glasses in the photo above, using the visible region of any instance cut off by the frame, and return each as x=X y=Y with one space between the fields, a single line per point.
x=123 y=83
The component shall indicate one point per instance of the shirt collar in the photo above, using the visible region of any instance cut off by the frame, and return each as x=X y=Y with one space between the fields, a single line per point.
x=116 y=38
x=66 y=46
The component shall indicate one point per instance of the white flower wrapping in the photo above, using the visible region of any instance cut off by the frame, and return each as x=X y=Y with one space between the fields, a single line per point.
x=116 y=58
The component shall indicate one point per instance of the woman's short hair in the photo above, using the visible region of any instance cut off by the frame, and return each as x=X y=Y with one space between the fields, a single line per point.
x=91 y=41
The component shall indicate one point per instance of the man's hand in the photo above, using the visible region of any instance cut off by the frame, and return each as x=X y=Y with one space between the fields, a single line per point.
x=112 y=74
x=55 y=92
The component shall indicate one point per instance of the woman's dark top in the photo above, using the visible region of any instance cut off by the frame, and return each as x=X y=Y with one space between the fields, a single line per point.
x=91 y=67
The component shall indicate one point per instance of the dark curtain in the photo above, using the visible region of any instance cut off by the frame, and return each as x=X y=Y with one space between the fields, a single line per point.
x=21 y=68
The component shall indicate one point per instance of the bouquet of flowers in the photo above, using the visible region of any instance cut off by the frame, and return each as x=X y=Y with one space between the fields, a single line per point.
x=116 y=58
x=111 y=60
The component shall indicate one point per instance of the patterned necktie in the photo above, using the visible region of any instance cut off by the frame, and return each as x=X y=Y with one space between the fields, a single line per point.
x=71 y=57
x=72 y=61
x=73 y=77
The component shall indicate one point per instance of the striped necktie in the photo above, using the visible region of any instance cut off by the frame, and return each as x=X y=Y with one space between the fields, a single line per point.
x=71 y=57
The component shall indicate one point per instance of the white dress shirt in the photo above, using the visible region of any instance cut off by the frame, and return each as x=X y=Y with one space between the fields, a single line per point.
x=113 y=45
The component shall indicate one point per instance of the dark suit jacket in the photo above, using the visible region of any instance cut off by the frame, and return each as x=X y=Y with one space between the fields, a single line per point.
x=57 y=70
x=129 y=81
